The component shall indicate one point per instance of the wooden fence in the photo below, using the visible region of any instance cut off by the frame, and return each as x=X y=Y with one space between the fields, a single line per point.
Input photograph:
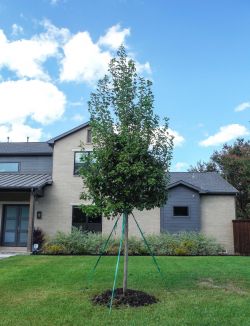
x=241 y=236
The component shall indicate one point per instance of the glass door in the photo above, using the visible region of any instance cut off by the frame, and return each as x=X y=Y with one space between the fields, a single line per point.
x=22 y=234
x=15 y=225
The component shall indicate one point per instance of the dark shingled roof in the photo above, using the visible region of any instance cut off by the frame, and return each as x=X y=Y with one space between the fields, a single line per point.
x=25 y=148
x=69 y=132
x=24 y=181
x=204 y=182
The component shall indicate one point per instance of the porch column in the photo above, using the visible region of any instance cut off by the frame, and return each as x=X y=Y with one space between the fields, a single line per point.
x=31 y=221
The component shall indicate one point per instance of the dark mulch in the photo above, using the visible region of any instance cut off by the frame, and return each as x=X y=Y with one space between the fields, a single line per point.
x=132 y=298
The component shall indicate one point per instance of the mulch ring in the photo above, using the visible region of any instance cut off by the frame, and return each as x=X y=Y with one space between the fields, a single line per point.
x=133 y=298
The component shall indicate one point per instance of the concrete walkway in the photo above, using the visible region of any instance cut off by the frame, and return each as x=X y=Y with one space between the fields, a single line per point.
x=2 y=256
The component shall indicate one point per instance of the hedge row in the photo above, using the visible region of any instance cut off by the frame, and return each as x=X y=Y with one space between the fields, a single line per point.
x=165 y=244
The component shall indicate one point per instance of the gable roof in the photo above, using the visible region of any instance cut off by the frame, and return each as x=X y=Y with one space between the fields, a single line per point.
x=67 y=133
x=183 y=183
x=25 y=148
x=24 y=181
x=203 y=182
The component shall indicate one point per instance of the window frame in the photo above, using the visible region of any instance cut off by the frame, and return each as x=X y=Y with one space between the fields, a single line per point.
x=89 y=137
x=182 y=206
x=74 y=165
x=18 y=167
x=87 y=223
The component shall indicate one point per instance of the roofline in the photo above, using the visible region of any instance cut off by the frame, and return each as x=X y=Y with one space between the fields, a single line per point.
x=192 y=172
x=48 y=183
x=184 y=183
x=229 y=193
x=201 y=191
x=41 y=185
x=27 y=154
x=67 y=133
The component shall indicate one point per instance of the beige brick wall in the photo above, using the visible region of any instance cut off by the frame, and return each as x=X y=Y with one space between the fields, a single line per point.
x=56 y=205
x=217 y=213
x=149 y=222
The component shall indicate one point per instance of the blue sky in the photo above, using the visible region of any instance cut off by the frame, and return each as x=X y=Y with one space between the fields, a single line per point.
x=197 y=53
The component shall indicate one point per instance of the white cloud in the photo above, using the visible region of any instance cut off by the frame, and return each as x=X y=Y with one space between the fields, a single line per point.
x=26 y=56
x=34 y=96
x=54 y=2
x=19 y=132
x=114 y=37
x=225 y=134
x=53 y=33
x=16 y=30
x=84 y=61
x=78 y=118
x=76 y=103
x=41 y=101
x=180 y=166
x=243 y=106
x=143 y=67
x=79 y=57
x=178 y=139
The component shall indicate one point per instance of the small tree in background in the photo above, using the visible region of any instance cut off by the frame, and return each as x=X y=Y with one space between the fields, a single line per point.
x=128 y=168
x=233 y=163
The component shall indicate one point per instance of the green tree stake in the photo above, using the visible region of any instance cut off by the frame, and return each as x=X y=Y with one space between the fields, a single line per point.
x=149 y=249
x=90 y=277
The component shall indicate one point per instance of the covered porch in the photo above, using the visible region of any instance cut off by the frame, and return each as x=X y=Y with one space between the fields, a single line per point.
x=17 y=205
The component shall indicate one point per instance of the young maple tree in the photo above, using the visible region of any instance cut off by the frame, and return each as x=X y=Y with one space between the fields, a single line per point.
x=128 y=168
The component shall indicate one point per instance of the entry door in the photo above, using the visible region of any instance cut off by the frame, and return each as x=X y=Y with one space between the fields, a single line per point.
x=15 y=225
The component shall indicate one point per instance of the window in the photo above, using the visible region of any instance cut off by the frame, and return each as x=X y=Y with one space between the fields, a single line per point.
x=9 y=167
x=180 y=211
x=89 y=136
x=78 y=161
x=86 y=223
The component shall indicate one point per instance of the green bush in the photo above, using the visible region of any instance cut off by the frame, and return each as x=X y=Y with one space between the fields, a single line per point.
x=54 y=249
x=165 y=244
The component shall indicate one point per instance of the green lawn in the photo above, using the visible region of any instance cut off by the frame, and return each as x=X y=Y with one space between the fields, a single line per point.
x=47 y=290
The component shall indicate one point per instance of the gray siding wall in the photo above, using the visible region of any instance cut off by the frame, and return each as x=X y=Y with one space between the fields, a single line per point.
x=181 y=196
x=31 y=164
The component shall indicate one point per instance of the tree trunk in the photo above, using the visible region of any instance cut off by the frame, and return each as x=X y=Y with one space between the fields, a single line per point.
x=125 y=270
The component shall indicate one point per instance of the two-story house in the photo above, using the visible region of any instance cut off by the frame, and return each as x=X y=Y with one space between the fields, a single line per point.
x=40 y=187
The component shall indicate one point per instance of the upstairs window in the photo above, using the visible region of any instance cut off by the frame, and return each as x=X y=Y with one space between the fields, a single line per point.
x=180 y=211
x=78 y=164
x=9 y=167
x=89 y=136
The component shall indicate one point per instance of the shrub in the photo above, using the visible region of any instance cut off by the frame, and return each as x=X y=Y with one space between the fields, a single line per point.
x=54 y=249
x=38 y=237
x=165 y=244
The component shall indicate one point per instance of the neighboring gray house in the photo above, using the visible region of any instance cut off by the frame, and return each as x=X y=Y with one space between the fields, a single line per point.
x=40 y=187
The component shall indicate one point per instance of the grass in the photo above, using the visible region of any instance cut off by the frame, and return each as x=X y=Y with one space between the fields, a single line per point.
x=52 y=290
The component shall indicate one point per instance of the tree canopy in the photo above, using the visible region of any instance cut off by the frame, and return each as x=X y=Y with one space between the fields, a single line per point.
x=233 y=163
x=129 y=165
